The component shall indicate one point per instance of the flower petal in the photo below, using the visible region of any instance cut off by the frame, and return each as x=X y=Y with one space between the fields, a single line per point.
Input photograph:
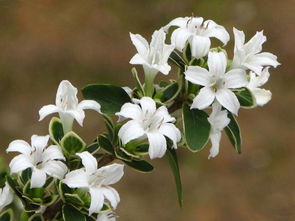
x=66 y=96
x=130 y=131
x=217 y=63
x=236 y=78
x=88 y=161
x=78 y=115
x=112 y=173
x=97 y=200
x=179 y=38
x=39 y=142
x=77 y=179
x=205 y=97
x=228 y=100
x=239 y=38
x=140 y=44
x=180 y=22
x=172 y=132
x=200 y=46
x=157 y=145
x=111 y=195
x=217 y=31
x=20 y=163
x=163 y=114
x=53 y=152
x=47 y=110
x=55 y=168
x=137 y=59
x=20 y=146
x=148 y=105
x=38 y=178
x=262 y=96
x=198 y=75
x=254 y=45
x=132 y=111
x=215 y=141
x=89 y=104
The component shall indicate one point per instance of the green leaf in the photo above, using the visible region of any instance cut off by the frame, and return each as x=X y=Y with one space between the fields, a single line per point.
x=74 y=199
x=110 y=97
x=109 y=125
x=70 y=213
x=36 y=217
x=56 y=130
x=167 y=94
x=196 y=128
x=106 y=144
x=233 y=132
x=71 y=143
x=7 y=215
x=187 y=54
x=93 y=148
x=177 y=60
x=24 y=216
x=173 y=162
x=140 y=165
x=246 y=98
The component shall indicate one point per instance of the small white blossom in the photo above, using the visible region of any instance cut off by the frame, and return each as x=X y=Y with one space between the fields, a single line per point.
x=106 y=216
x=41 y=159
x=6 y=196
x=66 y=104
x=217 y=83
x=249 y=56
x=218 y=120
x=261 y=95
x=198 y=32
x=148 y=121
x=153 y=57
x=97 y=181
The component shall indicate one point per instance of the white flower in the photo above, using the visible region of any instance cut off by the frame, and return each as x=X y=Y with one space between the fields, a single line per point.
x=97 y=181
x=106 y=216
x=218 y=120
x=198 y=32
x=217 y=83
x=43 y=160
x=153 y=57
x=249 y=56
x=67 y=106
x=6 y=196
x=148 y=121
x=261 y=95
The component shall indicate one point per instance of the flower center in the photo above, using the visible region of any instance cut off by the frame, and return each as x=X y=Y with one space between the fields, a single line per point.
x=217 y=83
x=152 y=122
x=96 y=180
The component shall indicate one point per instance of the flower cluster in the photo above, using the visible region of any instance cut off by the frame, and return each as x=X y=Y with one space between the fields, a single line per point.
x=58 y=176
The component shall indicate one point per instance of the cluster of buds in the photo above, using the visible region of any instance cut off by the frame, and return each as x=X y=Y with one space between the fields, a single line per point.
x=68 y=179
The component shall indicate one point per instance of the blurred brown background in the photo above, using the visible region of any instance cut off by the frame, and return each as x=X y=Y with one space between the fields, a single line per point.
x=44 y=42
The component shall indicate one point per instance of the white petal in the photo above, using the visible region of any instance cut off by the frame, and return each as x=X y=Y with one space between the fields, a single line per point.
x=77 y=179
x=38 y=178
x=262 y=96
x=198 y=75
x=137 y=59
x=217 y=63
x=254 y=45
x=19 y=146
x=200 y=46
x=20 y=163
x=205 y=97
x=163 y=114
x=112 y=196
x=66 y=96
x=157 y=145
x=89 y=104
x=236 y=78
x=217 y=31
x=55 y=169
x=112 y=173
x=239 y=38
x=148 y=105
x=88 y=161
x=140 y=43
x=97 y=200
x=39 y=142
x=179 y=38
x=130 y=131
x=53 y=152
x=163 y=68
x=215 y=141
x=6 y=196
x=47 y=110
x=78 y=115
x=172 y=132
x=158 y=40
x=218 y=118
x=256 y=62
x=228 y=100
x=180 y=22
x=132 y=111
x=67 y=121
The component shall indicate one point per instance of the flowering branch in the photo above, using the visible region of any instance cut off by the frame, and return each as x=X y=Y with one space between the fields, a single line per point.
x=60 y=177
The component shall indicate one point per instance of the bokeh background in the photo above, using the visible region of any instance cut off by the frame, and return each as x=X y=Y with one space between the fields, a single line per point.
x=44 y=42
